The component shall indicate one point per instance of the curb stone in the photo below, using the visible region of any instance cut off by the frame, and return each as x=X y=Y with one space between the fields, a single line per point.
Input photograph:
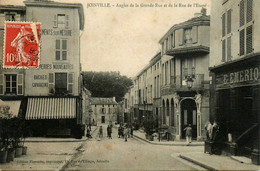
x=197 y=163
x=154 y=143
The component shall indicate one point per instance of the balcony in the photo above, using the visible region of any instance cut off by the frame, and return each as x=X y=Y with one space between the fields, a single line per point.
x=188 y=50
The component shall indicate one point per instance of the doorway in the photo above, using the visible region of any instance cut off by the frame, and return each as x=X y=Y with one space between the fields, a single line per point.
x=189 y=116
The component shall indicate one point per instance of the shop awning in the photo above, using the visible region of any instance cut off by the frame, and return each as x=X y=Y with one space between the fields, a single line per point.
x=50 y=108
x=9 y=109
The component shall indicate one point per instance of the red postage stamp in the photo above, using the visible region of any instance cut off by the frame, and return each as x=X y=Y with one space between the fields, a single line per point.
x=22 y=45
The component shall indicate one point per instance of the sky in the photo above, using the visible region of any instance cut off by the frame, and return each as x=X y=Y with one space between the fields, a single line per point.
x=125 y=39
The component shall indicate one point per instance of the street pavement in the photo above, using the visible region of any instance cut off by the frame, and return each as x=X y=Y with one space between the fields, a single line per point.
x=43 y=156
x=116 y=154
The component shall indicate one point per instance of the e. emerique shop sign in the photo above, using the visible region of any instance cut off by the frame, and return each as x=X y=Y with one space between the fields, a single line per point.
x=240 y=77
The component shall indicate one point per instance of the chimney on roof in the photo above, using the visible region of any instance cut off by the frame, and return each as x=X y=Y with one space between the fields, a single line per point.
x=203 y=12
x=114 y=99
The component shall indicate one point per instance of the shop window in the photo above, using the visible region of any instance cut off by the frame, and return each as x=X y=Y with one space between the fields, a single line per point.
x=60 y=83
x=61 y=49
x=226 y=36
x=246 y=27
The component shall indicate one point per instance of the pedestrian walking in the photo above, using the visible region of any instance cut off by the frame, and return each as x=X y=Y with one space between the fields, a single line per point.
x=132 y=131
x=188 y=130
x=100 y=132
x=107 y=131
x=125 y=133
x=110 y=132
x=88 y=133
x=119 y=131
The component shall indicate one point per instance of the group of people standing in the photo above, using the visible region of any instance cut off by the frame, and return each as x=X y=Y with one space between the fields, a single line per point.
x=125 y=132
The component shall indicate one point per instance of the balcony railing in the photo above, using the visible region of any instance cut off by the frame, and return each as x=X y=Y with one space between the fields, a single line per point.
x=197 y=81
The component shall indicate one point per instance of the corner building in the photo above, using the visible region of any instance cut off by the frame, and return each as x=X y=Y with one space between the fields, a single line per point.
x=51 y=94
x=185 y=77
x=234 y=64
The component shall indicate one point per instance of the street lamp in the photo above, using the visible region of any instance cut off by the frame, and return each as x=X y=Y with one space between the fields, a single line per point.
x=189 y=81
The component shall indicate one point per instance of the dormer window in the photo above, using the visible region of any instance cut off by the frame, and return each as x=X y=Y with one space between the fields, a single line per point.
x=187 y=36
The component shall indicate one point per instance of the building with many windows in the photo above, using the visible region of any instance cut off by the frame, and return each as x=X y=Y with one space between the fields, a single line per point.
x=104 y=110
x=173 y=88
x=234 y=64
x=50 y=95
x=185 y=77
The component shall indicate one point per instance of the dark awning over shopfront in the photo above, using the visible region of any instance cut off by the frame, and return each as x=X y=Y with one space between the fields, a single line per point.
x=51 y=108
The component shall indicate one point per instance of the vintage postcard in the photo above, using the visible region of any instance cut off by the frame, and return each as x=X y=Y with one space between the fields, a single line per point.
x=129 y=85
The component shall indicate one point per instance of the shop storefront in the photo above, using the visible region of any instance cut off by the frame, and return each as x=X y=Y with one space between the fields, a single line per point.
x=236 y=106
x=54 y=116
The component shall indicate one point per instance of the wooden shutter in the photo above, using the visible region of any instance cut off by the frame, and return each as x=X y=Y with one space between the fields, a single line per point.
x=67 y=21
x=229 y=48
x=173 y=39
x=223 y=50
x=249 y=10
x=194 y=34
x=20 y=84
x=229 y=21
x=55 y=22
x=223 y=25
x=242 y=13
x=1 y=84
x=51 y=83
x=181 y=37
x=70 y=83
x=249 y=39
x=242 y=42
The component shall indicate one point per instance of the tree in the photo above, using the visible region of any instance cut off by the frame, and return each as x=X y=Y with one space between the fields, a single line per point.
x=106 y=84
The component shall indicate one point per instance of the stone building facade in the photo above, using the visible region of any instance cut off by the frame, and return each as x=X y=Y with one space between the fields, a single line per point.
x=104 y=110
x=173 y=88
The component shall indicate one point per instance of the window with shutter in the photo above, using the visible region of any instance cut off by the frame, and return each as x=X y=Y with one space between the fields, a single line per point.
x=242 y=42
x=1 y=84
x=55 y=21
x=246 y=27
x=20 y=84
x=249 y=10
x=51 y=83
x=226 y=36
x=61 y=49
x=194 y=34
x=173 y=39
x=229 y=48
x=223 y=50
x=249 y=38
x=223 y=25
x=229 y=21
x=67 y=21
x=242 y=13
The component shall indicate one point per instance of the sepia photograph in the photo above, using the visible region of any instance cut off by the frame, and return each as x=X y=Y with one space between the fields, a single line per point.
x=129 y=85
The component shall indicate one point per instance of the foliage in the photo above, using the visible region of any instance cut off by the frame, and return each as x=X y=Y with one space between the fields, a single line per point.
x=106 y=84
x=149 y=125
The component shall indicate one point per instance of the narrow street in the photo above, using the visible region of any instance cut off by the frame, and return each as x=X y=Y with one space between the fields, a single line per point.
x=134 y=155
